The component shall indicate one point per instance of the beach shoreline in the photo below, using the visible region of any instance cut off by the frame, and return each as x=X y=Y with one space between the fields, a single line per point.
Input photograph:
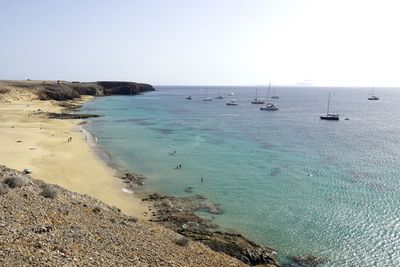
x=56 y=151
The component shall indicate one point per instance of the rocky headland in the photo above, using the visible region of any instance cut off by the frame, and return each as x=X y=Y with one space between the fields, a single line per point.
x=62 y=90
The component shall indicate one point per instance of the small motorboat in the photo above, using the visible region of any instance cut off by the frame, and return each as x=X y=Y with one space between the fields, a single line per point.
x=189 y=98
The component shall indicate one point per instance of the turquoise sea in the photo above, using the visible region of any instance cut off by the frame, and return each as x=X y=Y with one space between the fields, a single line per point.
x=285 y=179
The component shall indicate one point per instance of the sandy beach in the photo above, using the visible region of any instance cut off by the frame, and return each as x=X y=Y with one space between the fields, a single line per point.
x=28 y=139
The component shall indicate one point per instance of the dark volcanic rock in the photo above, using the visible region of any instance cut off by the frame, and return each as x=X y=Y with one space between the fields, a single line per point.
x=189 y=189
x=86 y=89
x=59 y=92
x=232 y=244
x=133 y=180
x=124 y=88
x=179 y=215
x=68 y=116
x=67 y=91
x=307 y=260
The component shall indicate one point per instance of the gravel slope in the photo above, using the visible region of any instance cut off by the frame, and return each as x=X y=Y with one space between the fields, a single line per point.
x=78 y=230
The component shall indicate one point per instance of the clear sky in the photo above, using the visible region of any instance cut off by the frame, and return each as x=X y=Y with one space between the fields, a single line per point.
x=221 y=42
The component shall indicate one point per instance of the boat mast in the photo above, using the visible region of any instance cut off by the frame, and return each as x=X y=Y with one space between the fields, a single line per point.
x=329 y=100
x=269 y=88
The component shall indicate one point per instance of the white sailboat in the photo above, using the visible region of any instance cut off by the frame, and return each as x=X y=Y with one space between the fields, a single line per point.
x=207 y=98
x=270 y=105
x=372 y=96
x=274 y=96
x=256 y=100
x=329 y=116
x=219 y=96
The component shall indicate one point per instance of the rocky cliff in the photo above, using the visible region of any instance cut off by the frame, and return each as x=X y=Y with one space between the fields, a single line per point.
x=61 y=91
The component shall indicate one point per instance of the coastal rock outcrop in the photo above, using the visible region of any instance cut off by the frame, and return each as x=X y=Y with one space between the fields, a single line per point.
x=70 y=116
x=58 y=92
x=133 y=180
x=124 y=88
x=179 y=215
x=307 y=261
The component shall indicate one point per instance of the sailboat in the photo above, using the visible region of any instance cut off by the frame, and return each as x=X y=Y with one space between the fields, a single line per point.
x=274 y=96
x=256 y=100
x=270 y=105
x=372 y=96
x=219 y=96
x=329 y=116
x=207 y=98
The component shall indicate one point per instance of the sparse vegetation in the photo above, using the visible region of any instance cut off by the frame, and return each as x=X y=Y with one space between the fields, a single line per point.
x=133 y=219
x=183 y=242
x=96 y=209
x=4 y=189
x=4 y=91
x=14 y=181
x=49 y=191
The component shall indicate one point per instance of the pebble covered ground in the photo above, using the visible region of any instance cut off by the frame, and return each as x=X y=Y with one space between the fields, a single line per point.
x=42 y=225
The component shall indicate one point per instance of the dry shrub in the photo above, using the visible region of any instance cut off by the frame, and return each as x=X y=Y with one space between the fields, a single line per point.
x=182 y=241
x=15 y=181
x=4 y=91
x=49 y=191
x=4 y=189
x=96 y=209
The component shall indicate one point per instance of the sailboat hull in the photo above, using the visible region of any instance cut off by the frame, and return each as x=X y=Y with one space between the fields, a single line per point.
x=330 y=118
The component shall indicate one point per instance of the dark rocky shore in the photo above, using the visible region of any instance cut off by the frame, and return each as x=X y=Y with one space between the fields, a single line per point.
x=178 y=214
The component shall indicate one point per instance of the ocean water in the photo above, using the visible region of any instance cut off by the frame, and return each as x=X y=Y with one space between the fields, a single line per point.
x=285 y=179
